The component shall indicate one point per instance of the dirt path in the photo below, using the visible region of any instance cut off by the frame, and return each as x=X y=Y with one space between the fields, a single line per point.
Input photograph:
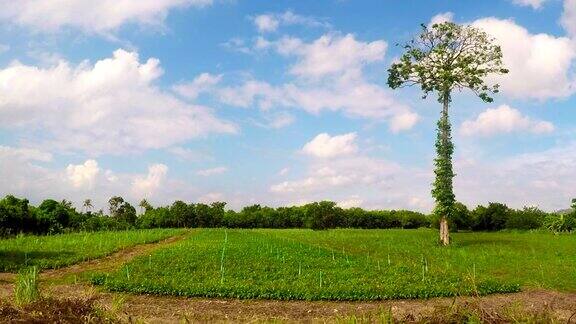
x=112 y=261
x=107 y=263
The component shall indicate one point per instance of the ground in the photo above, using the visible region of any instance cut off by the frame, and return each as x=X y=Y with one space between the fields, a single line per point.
x=70 y=283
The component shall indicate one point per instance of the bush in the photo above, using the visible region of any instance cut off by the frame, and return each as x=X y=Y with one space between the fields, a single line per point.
x=491 y=218
x=323 y=215
x=525 y=219
x=560 y=222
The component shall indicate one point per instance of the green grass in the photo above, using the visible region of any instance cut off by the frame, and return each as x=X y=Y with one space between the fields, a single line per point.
x=349 y=265
x=55 y=251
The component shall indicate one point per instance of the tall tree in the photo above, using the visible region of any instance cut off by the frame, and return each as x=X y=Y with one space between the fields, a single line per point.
x=144 y=206
x=443 y=58
x=87 y=205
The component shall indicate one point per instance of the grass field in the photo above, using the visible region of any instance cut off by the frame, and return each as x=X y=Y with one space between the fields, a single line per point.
x=64 y=249
x=349 y=265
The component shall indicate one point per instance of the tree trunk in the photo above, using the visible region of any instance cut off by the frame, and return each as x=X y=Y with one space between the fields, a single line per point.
x=444 y=231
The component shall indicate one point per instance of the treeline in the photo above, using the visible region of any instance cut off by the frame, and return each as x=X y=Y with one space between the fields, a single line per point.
x=51 y=216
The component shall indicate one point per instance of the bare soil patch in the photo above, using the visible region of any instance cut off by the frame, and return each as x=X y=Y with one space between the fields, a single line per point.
x=536 y=305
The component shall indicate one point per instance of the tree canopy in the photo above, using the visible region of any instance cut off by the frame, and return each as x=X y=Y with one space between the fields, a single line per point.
x=447 y=56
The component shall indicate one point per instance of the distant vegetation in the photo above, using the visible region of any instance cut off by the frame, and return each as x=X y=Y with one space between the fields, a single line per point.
x=50 y=217
x=348 y=264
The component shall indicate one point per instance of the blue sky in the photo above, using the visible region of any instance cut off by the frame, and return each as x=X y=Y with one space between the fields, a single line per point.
x=275 y=102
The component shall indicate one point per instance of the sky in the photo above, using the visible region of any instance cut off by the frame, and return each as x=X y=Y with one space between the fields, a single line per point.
x=276 y=103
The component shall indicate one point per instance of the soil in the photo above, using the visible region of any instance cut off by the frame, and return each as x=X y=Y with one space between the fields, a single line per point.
x=56 y=284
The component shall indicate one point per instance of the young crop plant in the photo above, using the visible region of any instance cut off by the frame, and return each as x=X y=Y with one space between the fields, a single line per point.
x=348 y=264
x=54 y=251
x=443 y=58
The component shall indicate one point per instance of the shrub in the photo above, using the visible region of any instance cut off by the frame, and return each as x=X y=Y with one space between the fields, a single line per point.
x=323 y=215
x=525 y=219
x=560 y=222
x=491 y=218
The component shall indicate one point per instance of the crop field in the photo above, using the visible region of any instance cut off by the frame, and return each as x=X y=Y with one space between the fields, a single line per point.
x=55 y=251
x=349 y=265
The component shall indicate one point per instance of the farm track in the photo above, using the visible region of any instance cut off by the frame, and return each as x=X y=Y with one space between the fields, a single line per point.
x=107 y=263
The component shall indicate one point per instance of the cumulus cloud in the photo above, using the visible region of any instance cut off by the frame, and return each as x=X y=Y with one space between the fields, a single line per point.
x=504 y=120
x=540 y=65
x=270 y=22
x=266 y=23
x=89 y=16
x=326 y=146
x=535 y=4
x=112 y=106
x=276 y=120
x=202 y=83
x=331 y=54
x=328 y=76
x=146 y=186
x=83 y=175
x=25 y=154
x=354 y=201
x=568 y=19
x=544 y=177
x=212 y=171
x=441 y=18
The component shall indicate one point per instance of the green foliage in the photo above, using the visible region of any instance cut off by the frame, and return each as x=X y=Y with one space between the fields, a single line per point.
x=26 y=289
x=59 y=250
x=448 y=56
x=323 y=215
x=491 y=218
x=461 y=218
x=560 y=222
x=442 y=189
x=526 y=219
x=340 y=264
x=440 y=59
x=355 y=265
x=122 y=210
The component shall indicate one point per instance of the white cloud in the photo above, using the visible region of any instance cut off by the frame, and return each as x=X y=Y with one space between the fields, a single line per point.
x=535 y=4
x=146 y=186
x=83 y=175
x=441 y=18
x=403 y=121
x=25 y=154
x=266 y=23
x=211 y=197
x=202 y=83
x=276 y=120
x=284 y=171
x=354 y=201
x=326 y=146
x=112 y=106
x=568 y=19
x=540 y=65
x=212 y=171
x=103 y=16
x=545 y=178
x=504 y=120
x=332 y=54
x=328 y=76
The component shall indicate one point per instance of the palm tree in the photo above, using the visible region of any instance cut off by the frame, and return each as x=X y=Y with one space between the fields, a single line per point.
x=144 y=205
x=87 y=204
